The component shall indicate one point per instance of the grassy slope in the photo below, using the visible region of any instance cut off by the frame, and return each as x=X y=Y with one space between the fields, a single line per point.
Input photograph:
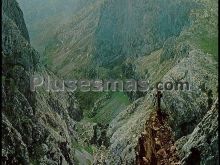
x=204 y=30
x=117 y=103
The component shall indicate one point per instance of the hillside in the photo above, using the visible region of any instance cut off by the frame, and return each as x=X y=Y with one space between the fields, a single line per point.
x=105 y=35
x=38 y=128
x=159 y=47
x=43 y=18
x=157 y=40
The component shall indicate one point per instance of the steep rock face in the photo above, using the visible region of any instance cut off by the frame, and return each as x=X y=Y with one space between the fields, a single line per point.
x=47 y=119
x=124 y=131
x=72 y=46
x=19 y=58
x=12 y=138
x=134 y=28
x=185 y=109
x=201 y=146
x=107 y=32
x=12 y=10
x=181 y=59
x=199 y=71
x=46 y=17
x=38 y=127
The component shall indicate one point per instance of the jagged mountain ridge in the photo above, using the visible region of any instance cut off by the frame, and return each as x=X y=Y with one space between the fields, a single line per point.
x=11 y=7
x=38 y=128
x=181 y=55
x=179 y=58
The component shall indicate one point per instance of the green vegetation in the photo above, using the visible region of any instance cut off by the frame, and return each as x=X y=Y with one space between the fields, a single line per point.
x=34 y=162
x=87 y=99
x=87 y=148
x=203 y=31
x=118 y=102
x=118 y=39
x=209 y=45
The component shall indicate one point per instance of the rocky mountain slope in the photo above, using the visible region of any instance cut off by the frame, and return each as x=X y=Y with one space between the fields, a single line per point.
x=159 y=47
x=114 y=39
x=108 y=32
x=38 y=128
x=156 y=144
x=43 y=18
x=130 y=28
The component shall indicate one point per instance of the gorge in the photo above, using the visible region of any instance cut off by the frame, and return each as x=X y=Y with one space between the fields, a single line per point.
x=155 y=40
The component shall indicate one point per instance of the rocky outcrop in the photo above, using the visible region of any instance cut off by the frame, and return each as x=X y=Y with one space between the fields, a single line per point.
x=44 y=128
x=156 y=144
x=113 y=35
x=13 y=11
x=124 y=132
x=201 y=146
x=186 y=108
x=38 y=127
x=14 y=149
x=100 y=135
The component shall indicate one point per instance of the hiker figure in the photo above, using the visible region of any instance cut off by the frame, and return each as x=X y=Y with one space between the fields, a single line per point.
x=157 y=99
x=159 y=95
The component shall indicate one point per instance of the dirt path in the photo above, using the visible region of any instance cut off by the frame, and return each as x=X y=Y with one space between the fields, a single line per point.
x=156 y=144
